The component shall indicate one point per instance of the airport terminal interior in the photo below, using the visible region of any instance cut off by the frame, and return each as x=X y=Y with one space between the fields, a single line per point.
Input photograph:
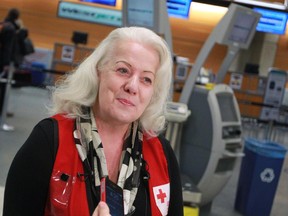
x=227 y=119
x=29 y=107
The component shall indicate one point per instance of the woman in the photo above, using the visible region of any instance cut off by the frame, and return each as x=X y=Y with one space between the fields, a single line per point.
x=108 y=115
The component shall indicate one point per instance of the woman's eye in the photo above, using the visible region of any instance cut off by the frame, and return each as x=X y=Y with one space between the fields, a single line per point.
x=122 y=70
x=147 y=80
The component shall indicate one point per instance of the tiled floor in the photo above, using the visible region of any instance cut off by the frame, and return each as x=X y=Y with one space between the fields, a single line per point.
x=28 y=105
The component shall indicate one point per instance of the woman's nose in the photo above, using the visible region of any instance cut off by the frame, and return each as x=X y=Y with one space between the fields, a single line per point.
x=132 y=84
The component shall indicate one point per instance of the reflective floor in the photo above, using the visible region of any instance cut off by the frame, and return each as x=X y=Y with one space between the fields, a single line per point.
x=28 y=105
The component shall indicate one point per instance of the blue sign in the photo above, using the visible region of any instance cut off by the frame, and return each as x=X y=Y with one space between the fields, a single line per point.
x=271 y=21
x=179 y=8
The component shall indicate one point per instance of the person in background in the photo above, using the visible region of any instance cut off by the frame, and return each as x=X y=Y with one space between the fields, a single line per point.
x=8 y=34
x=107 y=120
x=8 y=52
x=16 y=43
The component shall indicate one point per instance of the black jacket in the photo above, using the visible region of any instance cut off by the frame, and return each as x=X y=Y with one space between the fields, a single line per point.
x=7 y=40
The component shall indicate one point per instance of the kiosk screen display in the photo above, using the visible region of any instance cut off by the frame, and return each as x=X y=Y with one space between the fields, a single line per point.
x=141 y=13
x=241 y=28
x=227 y=107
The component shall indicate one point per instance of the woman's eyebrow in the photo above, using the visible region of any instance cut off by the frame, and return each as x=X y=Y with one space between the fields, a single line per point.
x=122 y=61
x=125 y=62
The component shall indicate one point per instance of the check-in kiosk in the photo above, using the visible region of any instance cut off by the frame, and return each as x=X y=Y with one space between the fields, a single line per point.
x=211 y=137
x=211 y=142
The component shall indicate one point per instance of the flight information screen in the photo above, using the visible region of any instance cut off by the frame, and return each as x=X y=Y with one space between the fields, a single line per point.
x=271 y=21
x=104 y=2
x=179 y=8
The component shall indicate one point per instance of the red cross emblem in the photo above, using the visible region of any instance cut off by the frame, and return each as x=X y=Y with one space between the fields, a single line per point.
x=161 y=195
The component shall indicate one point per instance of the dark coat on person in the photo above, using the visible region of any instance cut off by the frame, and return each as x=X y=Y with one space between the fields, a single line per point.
x=7 y=40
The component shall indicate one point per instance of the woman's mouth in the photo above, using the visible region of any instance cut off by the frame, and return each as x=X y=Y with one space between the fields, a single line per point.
x=125 y=102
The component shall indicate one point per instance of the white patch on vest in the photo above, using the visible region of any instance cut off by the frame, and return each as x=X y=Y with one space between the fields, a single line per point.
x=126 y=197
x=162 y=197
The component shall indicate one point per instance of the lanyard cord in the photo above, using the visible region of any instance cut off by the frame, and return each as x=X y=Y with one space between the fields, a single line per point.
x=89 y=170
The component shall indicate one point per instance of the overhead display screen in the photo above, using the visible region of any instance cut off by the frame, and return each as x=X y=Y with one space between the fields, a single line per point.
x=88 y=13
x=104 y=2
x=271 y=21
x=179 y=8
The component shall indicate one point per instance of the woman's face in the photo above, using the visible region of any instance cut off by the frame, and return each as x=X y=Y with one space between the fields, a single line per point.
x=126 y=83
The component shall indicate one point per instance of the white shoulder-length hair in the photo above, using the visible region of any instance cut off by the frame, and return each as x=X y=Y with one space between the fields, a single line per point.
x=79 y=89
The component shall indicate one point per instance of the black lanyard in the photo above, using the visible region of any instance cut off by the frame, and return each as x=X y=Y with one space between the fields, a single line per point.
x=93 y=194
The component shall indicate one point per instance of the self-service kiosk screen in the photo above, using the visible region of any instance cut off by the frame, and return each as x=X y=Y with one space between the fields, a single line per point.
x=141 y=13
x=242 y=27
x=227 y=107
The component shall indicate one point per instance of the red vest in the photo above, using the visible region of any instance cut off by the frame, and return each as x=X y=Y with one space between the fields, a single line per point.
x=67 y=193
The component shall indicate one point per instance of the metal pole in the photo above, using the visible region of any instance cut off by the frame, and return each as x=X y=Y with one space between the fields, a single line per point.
x=3 y=125
x=269 y=130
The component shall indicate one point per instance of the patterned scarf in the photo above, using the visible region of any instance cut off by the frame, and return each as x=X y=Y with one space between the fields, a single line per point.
x=90 y=149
